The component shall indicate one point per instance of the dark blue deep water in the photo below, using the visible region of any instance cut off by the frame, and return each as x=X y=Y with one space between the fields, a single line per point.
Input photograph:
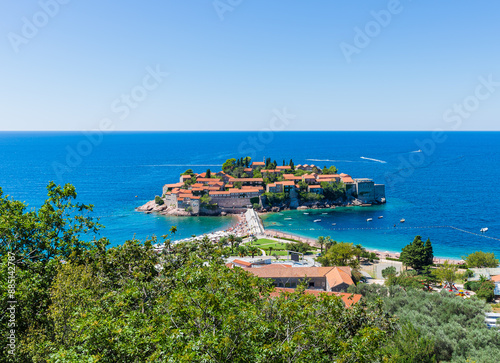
x=453 y=181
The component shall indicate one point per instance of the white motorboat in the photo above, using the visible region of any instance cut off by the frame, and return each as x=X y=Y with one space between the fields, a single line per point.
x=369 y=219
x=306 y=213
x=287 y=219
x=317 y=220
x=380 y=217
x=484 y=230
x=334 y=224
x=402 y=220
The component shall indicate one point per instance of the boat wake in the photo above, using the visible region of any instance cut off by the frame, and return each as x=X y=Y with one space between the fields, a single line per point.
x=378 y=161
x=416 y=151
x=336 y=161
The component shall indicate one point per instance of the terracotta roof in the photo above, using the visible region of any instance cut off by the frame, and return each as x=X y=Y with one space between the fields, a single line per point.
x=314 y=186
x=175 y=185
x=338 y=276
x=218 y=193
x=276 y=271
x=243 y=263
x=248 y=169
x=270 y=171
x=308 y=176
x=322 y=176
x=283 y=167
x=246 y=190
x=495 y=278
x=334 y=275
x=288 y=182
x=347 y=299
x=247 y=180
x=259 y=163
x=347 y=179
x=291 y=177
x=207 y=179
x=185 y=176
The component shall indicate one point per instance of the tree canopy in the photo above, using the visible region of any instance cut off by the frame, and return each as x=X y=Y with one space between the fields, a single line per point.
x=481 y=259
x=417 y=254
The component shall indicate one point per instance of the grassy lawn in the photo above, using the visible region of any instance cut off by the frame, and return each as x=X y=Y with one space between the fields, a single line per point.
x=265 y=243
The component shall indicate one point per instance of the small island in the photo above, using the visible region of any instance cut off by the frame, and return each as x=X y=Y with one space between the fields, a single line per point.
x=264 y=186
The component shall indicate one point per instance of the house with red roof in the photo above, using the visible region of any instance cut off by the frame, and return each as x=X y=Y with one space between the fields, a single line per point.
x=320 y=278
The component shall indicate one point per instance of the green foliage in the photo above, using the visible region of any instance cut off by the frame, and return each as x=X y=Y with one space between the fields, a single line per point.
x=340 y=254
x=228 y=166
x=447 y=272
x=310 y=197
x=159 y=200
x=331 y=170
x=255 y=200
x=333 y=190
x=275 y=198
x=301 y=247
x=417 y=254
x=481 y=259
x=188 y=172
x=410 y=345
x=208 y=174
x=389 y=271
x=455 y=325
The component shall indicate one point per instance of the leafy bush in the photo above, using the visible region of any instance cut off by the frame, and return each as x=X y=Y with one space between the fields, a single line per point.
x=455 y=325
x=158 y=200
x=255 y=200
x=389 y=271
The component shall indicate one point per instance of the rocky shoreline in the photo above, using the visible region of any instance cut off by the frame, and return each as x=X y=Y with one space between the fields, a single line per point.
x=166 y=210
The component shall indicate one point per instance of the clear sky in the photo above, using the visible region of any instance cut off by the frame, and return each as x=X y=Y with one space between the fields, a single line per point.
x=334 y=65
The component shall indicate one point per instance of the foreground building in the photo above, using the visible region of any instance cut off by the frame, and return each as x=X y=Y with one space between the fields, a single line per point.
x=334 y=279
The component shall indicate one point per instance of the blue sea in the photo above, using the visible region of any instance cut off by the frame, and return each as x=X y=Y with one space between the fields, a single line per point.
x=433 y=181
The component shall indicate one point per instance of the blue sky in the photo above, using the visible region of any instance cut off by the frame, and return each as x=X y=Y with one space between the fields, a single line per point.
x=422 y=65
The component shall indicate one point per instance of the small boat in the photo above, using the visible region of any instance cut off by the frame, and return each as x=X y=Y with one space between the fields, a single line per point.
x=334 y=224
x=324 y=213
x=484 y=230
x=317 y=220
x=306 y=213
x=287 y=219
x=369 y=219
x=402 y=220
x=380 y=217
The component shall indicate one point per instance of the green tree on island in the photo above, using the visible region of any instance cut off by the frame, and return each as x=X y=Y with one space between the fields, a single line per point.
x=481 y=259
x=417 y=254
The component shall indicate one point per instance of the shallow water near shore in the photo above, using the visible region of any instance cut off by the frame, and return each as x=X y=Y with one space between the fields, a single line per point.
x=454 y=185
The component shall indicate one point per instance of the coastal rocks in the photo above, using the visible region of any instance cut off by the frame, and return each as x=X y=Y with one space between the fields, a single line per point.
x=275 y=209
x=148 y=207
x=223 y=214
x=302 y=207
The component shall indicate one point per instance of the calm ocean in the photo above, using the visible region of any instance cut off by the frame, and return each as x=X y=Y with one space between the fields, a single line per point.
x=451 y=182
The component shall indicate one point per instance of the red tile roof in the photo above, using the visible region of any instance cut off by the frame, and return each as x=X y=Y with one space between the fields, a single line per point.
x=258 y=163
x=235 y=180
x=291 y=177
x=314 y=186
x=243 y=263
x=283 y=167
x=290 y=182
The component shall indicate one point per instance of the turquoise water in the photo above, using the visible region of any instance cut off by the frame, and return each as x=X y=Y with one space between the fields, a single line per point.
x=452 y=183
